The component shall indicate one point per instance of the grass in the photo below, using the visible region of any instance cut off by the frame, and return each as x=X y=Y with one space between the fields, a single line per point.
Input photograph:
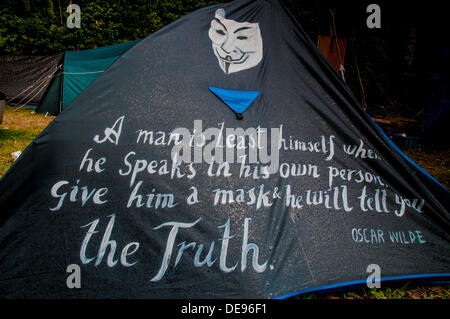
x=435 y=162
x=20 y=127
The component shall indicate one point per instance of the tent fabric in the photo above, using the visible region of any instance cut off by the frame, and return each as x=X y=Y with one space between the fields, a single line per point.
x=24 y=78
x=99 y=205
x=51 y=101
x=329 y=47
x=80 y=69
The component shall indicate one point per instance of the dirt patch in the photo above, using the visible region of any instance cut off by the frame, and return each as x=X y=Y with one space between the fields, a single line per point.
x=24 y=119
x=435 y=162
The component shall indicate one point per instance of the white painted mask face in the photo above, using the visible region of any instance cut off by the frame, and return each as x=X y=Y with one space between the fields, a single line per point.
x=237 y=45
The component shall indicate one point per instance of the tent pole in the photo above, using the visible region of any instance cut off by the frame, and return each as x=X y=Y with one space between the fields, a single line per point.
x=61 y=84
x=341 y=66
x=361 y=86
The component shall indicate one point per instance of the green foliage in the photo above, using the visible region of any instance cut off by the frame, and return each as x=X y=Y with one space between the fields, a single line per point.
x=387 y=293
x=39 y=27
x=393 y=292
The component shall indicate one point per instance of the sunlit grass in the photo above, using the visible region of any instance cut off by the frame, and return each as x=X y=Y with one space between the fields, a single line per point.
x=18 y=129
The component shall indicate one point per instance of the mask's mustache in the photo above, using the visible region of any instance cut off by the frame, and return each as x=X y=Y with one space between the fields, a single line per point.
x=227 y=63
x=227 y=58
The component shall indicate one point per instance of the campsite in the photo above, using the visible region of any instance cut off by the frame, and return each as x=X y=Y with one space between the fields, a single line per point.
x=276 y=168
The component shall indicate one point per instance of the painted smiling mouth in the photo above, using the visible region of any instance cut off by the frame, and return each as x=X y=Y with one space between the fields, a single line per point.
x=229 y=59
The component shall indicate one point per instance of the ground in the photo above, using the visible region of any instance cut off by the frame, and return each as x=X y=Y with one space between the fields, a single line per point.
x=20 y=127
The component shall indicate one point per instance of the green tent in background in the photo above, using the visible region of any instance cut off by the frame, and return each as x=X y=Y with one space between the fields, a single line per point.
x=79 y=70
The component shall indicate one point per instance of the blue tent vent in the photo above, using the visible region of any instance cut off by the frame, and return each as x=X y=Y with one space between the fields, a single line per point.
x=237 y=100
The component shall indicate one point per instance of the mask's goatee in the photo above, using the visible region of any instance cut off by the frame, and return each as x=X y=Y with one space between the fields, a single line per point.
x=227 y=66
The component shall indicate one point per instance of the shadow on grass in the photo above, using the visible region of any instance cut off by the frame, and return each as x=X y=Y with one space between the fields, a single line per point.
x=17 y=135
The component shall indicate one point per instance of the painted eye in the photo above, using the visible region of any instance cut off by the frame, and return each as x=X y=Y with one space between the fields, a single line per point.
x=241 y=37
x=221 y=32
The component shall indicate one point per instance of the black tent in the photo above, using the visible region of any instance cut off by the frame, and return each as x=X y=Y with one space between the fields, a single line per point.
x=224 y=157
x=25 y=78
